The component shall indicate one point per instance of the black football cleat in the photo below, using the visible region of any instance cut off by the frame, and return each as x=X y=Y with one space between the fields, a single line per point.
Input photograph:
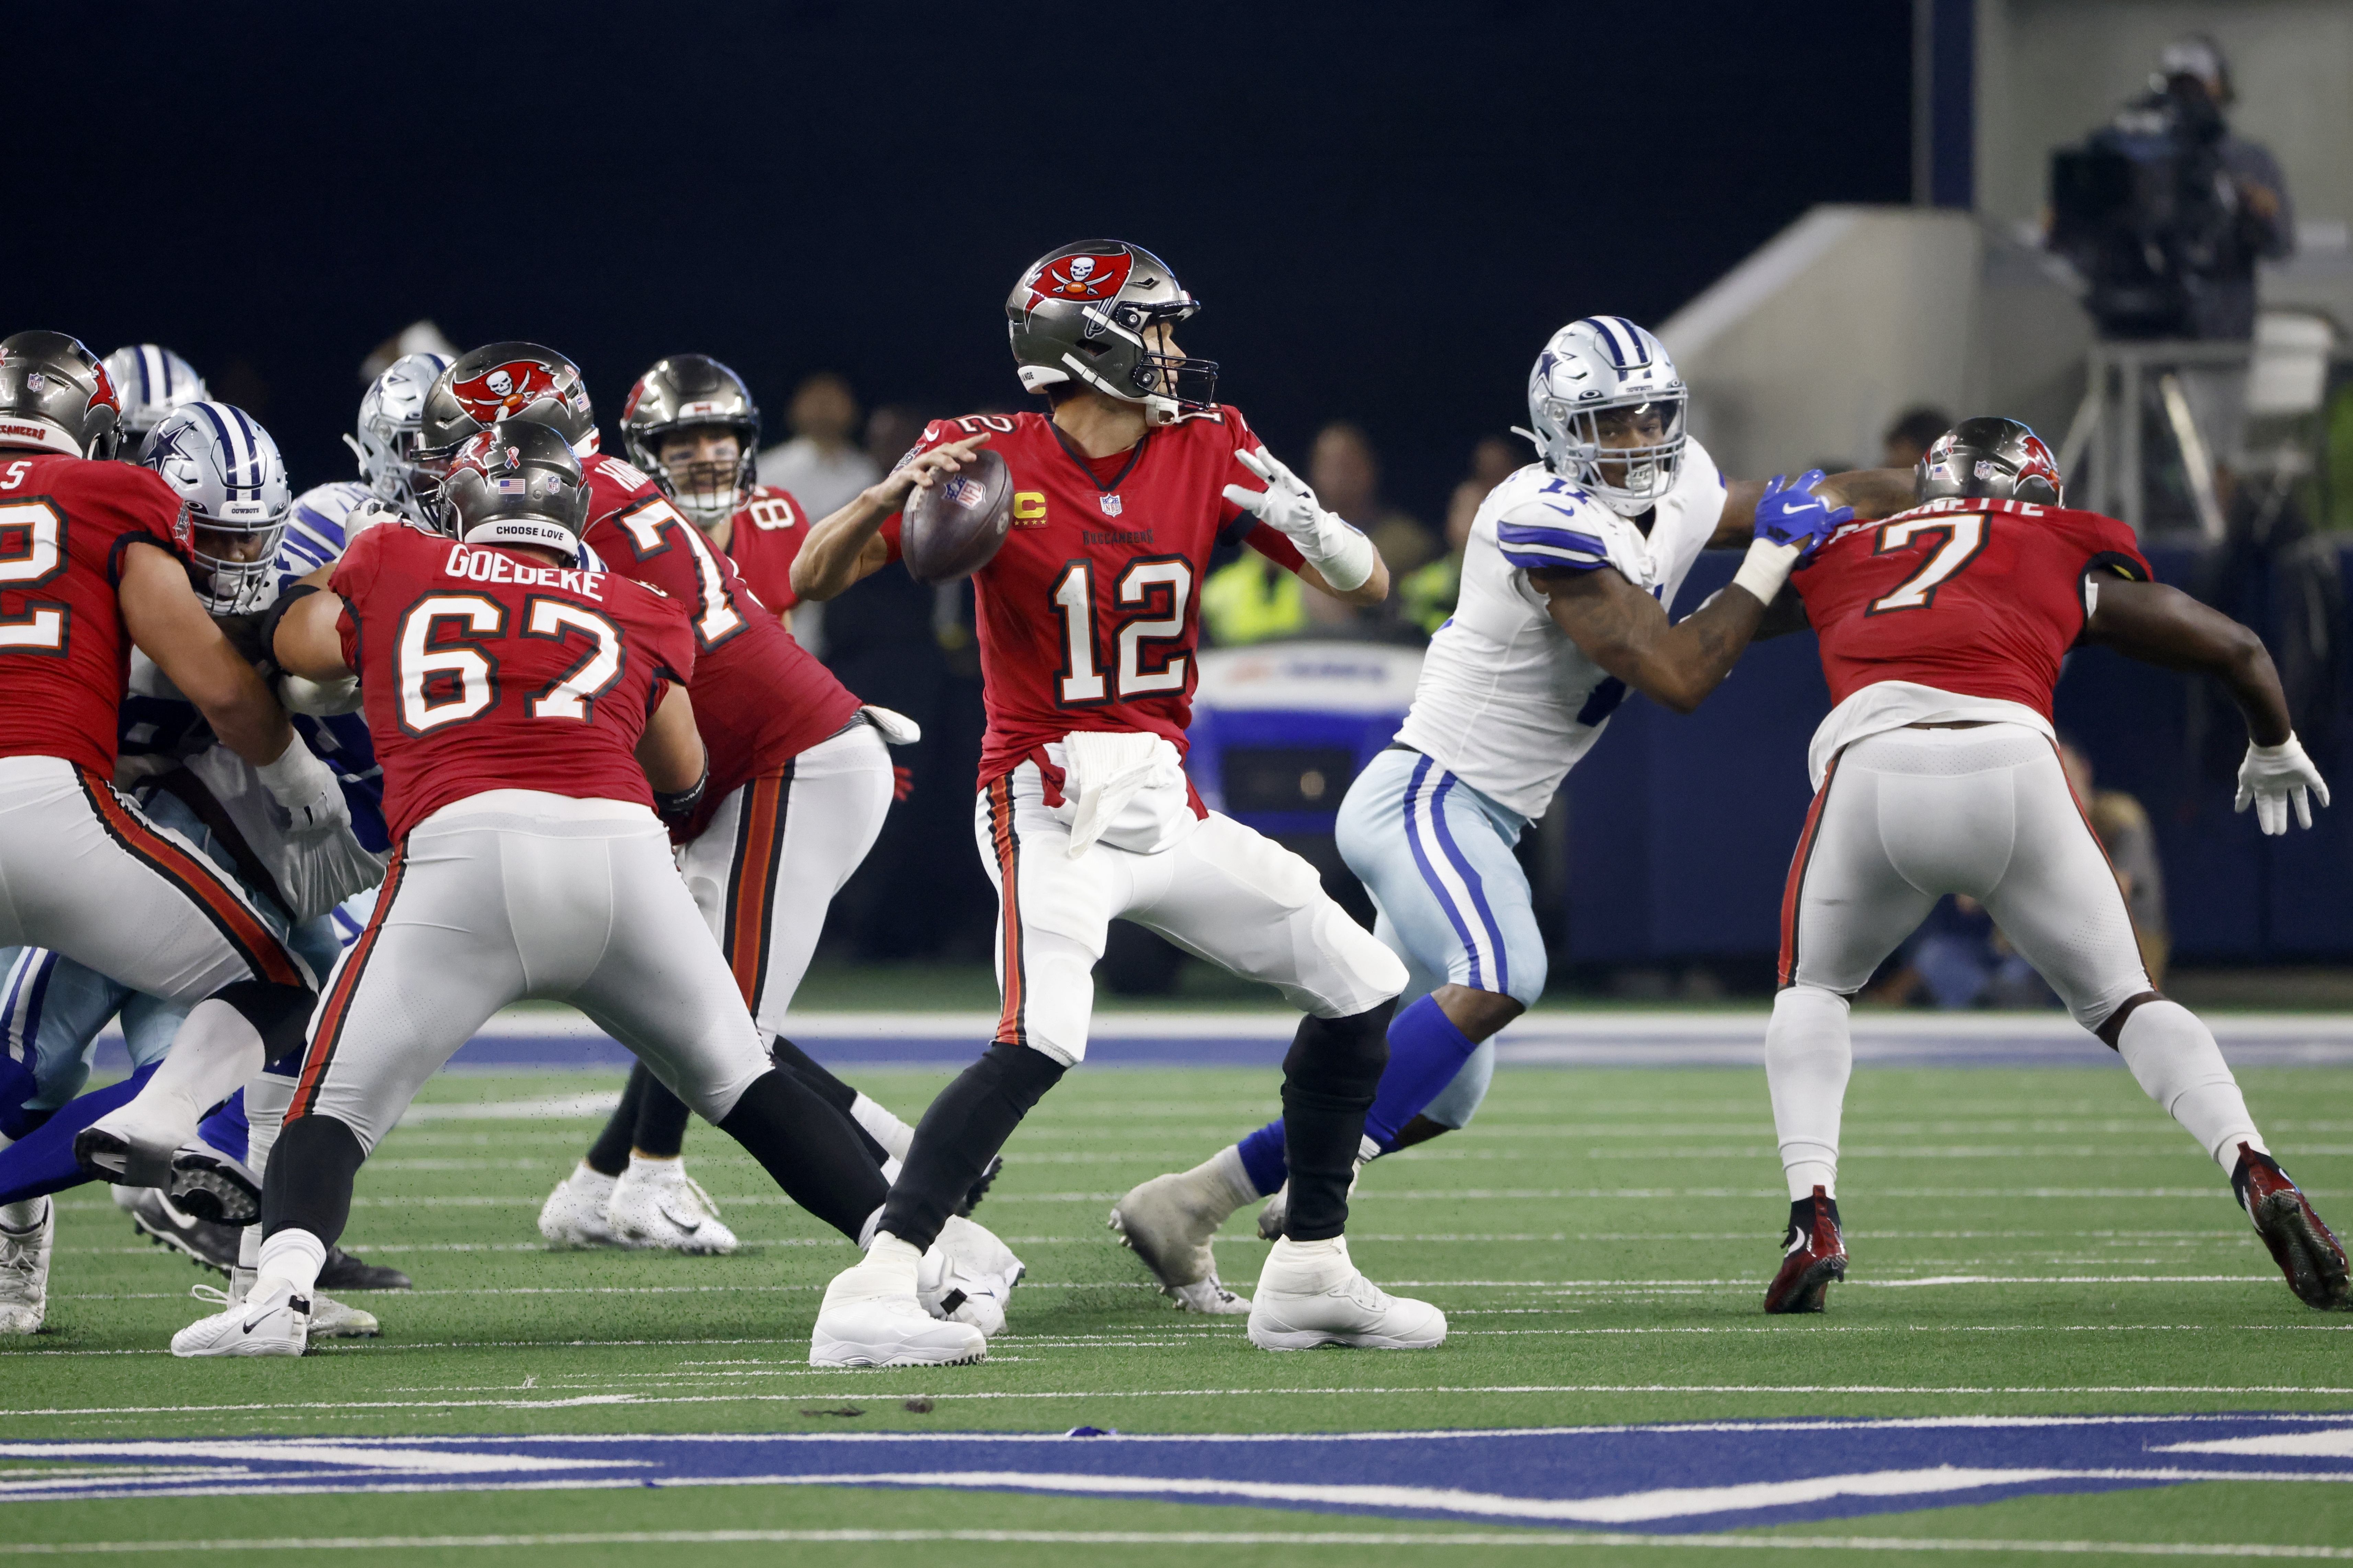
x=160 y=1220
x=207 y=1184
x=344 y=1272
x=979 y=1189
x=2302 y=1246
x=1813 y=1256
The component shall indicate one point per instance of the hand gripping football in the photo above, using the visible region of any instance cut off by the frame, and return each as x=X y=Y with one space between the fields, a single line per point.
x=956 y=526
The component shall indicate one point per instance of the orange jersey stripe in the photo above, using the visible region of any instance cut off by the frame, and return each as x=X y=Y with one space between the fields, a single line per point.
x=751 y=891
x=329 y=1030
x=1793 y=889
x=1010 y=1028
x=230 y=915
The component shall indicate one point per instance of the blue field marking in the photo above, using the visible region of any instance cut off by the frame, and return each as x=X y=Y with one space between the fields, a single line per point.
x=1680 y=1477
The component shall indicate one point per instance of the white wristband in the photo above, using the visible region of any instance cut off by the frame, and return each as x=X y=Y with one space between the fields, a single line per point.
x=1345 y=557
x=1767 y=567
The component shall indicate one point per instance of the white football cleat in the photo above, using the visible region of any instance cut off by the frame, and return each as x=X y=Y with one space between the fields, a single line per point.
x=573 y=1214
x=330 y=1319
x=271 y=1321
x=1311 y=1294
x=967 y=1275
x=870 y=1317
x=25 y=1273
x=655 y=1204
x=1168 y=1222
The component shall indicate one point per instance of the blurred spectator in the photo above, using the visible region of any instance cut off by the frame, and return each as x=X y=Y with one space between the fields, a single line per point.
x=1426 y=597
x=1913 y=432
x=821 y=464
x=1252 y=599
x=2123 y=832
x=1958 y=959
x=1346 y=476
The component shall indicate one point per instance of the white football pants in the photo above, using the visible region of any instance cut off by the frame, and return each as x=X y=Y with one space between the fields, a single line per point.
x=1906 y=818
x=774 y=855
x=1223 y=892
x=514 y=894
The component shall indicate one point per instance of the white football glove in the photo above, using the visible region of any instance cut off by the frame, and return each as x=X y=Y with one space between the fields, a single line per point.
x=1345 y=557
x=306 y=790
x=2272 y=776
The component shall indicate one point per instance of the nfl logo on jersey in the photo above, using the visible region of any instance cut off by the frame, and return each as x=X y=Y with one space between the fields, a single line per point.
x=1110 y=504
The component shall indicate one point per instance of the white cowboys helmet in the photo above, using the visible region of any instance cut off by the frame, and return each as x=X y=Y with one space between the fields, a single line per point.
x=385 y=442
x=154 y=381
x=227 y=470
x=1598 y=363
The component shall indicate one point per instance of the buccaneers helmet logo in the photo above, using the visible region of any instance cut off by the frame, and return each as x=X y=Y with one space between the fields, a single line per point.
x=103 y=394
x=1080 y=278
x=505 y=389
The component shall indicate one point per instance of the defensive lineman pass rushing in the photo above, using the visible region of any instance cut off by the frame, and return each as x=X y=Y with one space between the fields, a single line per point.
x=1570 y=568
x=1088 y=622
x=1937 y=772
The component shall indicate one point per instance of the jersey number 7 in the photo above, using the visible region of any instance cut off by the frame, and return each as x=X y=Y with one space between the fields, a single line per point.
x=1965 y=536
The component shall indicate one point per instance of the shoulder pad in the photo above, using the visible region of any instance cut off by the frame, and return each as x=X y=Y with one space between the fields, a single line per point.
x=1547 y=524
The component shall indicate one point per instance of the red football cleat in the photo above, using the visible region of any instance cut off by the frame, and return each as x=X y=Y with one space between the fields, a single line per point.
x=2302 y=1247
x=1814 y=1256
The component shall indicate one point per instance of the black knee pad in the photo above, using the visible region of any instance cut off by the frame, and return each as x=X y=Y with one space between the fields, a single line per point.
x=309 y=1183
x=1341 y=1056
x=281 y=1014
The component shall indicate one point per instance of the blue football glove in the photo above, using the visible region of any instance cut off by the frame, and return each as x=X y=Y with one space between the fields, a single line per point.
x=1790 y=514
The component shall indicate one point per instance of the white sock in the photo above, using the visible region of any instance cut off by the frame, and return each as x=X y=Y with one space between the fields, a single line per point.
x=648 y=1164
x=1307 y=1266
x=590 y=1179
x=2174 y=1059
x=896 y=1136
x=1225 y=1168
x=293 y=1257
x=213 y=1053
x=1808 y=1058
x=248 y=1246
x=267 y=1096
x=24 y=1216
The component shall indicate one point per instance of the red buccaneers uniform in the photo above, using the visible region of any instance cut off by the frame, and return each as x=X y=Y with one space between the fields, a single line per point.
x=1089 y=620
x=799 y=780
x=506 y=698
x=764 y=539
x=82 y=869
x=1942 y=629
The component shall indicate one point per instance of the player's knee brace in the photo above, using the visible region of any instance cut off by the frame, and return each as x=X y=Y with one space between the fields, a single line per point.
x=281 y=1014
x=967 y=1123
x=308 y=1186
x=1329 y=1077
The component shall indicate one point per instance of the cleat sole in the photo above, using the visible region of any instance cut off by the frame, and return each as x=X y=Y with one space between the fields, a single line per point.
x=212 y=1190
x=2316 y=1270
x=1807 y=1295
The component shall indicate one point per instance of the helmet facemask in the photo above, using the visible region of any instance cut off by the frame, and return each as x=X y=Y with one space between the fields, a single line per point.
x=1628 y=452
x=228 y=475
x=238 y=583
x=710 y=490
x=387 y=440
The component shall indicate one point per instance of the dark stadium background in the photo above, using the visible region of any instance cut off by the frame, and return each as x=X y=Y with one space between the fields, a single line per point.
x=1386 y=207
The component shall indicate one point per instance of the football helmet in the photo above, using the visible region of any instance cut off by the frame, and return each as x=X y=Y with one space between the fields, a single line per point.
x=154 y=381
x=391 y=410
x=1598 y=363
x=1989 y=459
x=227 y=470
x=682 y=392
x=1079 y=313
x=57 y=395
x=518 y=482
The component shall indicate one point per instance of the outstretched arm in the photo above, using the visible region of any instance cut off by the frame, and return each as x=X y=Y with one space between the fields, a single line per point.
x=848 y=546
x=169 y=625
x=2162 y=625
x=1869 y=493
x=1626 y=632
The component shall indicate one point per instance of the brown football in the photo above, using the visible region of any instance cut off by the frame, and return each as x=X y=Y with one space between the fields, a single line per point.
x=956 y=527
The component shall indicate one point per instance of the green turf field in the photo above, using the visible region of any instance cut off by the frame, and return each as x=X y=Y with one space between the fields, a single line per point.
x=2030 y=1240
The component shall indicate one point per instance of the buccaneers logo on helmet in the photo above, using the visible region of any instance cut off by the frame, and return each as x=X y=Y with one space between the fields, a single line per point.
x=1080 y=278
x=505 y=389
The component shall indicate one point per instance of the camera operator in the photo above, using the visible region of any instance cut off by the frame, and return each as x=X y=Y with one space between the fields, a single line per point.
x=2165 y=213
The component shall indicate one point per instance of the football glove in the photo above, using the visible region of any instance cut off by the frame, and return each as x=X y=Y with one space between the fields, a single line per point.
x=306 y=789
x=2271 y=777
x=1345 y=557
x=1791 y=513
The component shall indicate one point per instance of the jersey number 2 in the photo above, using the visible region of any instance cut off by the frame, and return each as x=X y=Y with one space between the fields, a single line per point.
x=1965 y=535
x=32 y=551
x=1082 y=682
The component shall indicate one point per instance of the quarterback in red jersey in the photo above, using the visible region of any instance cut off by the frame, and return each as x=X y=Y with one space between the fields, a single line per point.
x=1088 y=621
x=1937 y=772
x=94 y=558
x=533 y=719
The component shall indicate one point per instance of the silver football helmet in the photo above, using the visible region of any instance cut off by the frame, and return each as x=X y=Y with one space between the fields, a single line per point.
x=1597 y=364
x=227 y=470
x=679 y=394
x=1079 y=313
x=154 y=381
x=391 y=410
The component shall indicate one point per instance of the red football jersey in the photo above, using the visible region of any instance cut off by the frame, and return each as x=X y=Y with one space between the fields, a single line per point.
x=483 y=669
x=760 y=698
x=763 y=541
x=1091 y=612
x=1977 y=599
x=65 y=523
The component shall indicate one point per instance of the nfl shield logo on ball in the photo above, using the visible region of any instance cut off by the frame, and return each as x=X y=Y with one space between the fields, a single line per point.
x=1110 y=504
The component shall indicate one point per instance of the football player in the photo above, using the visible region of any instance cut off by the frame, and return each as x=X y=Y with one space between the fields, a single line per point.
x=152 y=382
x=533 y=719
x=801 y=780
x=1570 y=565
x=1088 y=619
x=1937 y=772
x=227 y=470
x=96 y=556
